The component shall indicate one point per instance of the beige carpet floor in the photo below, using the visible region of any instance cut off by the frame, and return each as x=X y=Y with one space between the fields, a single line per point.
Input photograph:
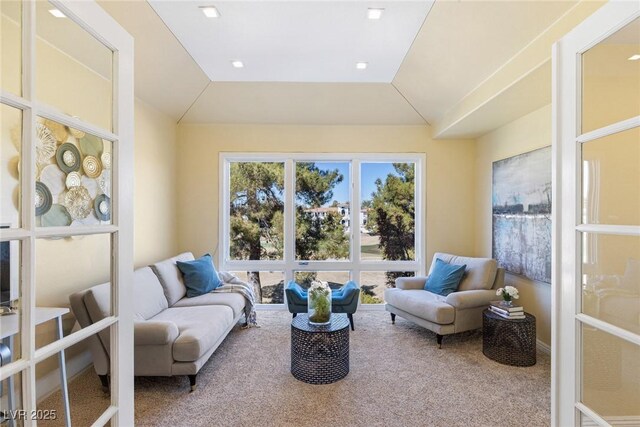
x=398 y=377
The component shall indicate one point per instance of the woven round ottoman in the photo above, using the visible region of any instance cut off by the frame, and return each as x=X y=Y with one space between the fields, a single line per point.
x=320 y=354
x=509 y=341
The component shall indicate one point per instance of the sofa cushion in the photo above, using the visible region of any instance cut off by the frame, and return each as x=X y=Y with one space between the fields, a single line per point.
x=421 y=303
x=171 y=278
x=199 y=276
x=148 y=294
x=230 y=299
x=444 y=278
x=199 y=329
x=97 y=299
x=479 y=274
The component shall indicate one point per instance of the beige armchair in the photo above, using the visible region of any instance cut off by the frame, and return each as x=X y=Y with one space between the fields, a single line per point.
x=457 y=312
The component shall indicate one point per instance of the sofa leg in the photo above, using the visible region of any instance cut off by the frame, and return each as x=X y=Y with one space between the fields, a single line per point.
x=104 y=379
x=439 y=340
x=350 y=316
x=192 y=381
x=294 y=315
x=393 y=319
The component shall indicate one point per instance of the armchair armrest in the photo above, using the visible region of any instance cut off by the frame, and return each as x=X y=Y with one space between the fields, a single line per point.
x=406 y=283
x=471 y=299
x=154 y=332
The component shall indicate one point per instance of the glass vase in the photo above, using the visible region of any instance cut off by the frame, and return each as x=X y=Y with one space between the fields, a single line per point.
x=319 y=304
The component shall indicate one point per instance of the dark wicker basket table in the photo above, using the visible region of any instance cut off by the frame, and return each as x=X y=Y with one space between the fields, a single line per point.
x=320 y=354
x=509 y=341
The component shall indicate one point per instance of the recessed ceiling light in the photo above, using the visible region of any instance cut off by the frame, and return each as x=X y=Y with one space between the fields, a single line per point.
x=57 y=13
x=634 y=57
x=361 y=65
x=237 y=64
x=374 y=13
x=210 y=11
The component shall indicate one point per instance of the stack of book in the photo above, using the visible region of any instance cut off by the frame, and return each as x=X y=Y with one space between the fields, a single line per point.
x=510 y=312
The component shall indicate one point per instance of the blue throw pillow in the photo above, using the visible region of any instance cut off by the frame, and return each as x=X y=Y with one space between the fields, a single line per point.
x=200 y=276
x=444 y=278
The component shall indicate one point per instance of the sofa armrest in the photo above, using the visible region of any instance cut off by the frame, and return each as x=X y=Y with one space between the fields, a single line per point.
x=411 y=282
x=471 y=299
x=154 y=332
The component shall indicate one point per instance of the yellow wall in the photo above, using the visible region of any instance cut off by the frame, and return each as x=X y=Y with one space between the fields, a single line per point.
x=450 y=168
x=524 y=134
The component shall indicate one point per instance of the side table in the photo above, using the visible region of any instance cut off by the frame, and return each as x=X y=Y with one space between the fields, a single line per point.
x=509 y=341
x=320 y=354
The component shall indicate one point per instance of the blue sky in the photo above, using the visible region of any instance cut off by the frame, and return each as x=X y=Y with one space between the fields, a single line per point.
x=370 y=172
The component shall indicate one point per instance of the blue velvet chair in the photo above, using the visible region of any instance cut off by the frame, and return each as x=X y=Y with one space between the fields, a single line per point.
x=343 y=300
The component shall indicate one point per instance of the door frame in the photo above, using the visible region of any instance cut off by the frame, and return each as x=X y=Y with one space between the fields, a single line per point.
x=566 y=167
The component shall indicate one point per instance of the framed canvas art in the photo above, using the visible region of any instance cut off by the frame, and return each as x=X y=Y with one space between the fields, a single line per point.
x=522 y=214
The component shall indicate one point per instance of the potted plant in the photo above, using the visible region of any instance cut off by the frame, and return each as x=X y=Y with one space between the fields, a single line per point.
x=319 y=303
x=508 y=294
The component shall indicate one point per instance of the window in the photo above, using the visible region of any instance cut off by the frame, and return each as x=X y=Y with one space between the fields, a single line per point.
x=293 y=214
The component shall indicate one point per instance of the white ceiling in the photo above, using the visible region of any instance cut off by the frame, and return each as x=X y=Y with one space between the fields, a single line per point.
x=288 y=41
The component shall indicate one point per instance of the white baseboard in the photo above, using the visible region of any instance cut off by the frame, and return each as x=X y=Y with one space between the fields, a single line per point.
x=50 y=383
x=543 y=348
x=618 y=420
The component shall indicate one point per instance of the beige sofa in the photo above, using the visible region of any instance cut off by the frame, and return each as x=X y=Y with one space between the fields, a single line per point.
x=457 y=312
x=173 y=335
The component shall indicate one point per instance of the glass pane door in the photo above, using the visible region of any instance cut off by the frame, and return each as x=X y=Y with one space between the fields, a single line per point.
x=609 y=312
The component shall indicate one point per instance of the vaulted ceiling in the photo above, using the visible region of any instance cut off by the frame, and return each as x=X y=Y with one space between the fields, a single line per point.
x=432 y=60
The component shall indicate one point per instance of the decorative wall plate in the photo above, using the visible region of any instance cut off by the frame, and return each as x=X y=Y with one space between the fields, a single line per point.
x=58 y=129
x=45 y=144
x=106 y=160
x=78 y=202
x=68 y=158
x=104 y=182
x=76 y=133
x=91 y=145
x=102 y=207
x=92 y=167
x=54 y=179
x=73 y=180
x=91 y=185
x=56 y=217
x=43 y=199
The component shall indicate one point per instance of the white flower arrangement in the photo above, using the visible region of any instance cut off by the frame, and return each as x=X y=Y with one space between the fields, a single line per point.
x=319 y=288
x=508 y=293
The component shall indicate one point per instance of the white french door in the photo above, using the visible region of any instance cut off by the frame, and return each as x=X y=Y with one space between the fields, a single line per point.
x=66 y=100
x=596 y=280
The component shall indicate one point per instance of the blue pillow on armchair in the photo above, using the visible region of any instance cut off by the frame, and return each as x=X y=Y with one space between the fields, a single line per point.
x=200 y=276
x=444 y=278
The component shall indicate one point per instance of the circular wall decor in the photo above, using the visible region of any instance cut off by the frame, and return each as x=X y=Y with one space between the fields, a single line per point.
x=106 y=160
x=58 y=129
x=102 y=207
x=73 y=180
x=45 y=144
x=104 y=182
x=43 y=199
x=68 y=158
x=91 y=145
x=56 y=217
x=92 y=167
x=78 y=202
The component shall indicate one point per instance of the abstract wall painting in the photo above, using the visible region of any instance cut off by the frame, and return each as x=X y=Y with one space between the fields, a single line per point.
x=522 y=214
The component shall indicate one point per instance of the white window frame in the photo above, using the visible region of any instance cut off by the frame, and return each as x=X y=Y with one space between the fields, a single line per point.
x=104 y=28
x=289 y=264
x=567 y=319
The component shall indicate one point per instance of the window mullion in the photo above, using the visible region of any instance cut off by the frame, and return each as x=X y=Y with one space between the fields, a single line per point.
x=356 y=198
x=289 y=220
